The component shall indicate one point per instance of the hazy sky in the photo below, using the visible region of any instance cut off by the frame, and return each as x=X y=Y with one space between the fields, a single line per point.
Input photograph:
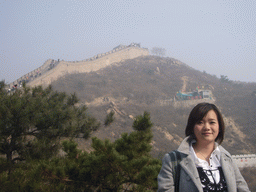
x=216 y=36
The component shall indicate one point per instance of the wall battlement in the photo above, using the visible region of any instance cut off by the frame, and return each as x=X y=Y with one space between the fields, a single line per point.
x=245 y=160
x=51 y=70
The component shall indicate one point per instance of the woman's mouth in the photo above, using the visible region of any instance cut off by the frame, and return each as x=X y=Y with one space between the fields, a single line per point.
x=206 y=133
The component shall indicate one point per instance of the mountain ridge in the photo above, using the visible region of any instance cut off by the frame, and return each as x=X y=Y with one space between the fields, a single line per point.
x=135 y=85
x=51 y=70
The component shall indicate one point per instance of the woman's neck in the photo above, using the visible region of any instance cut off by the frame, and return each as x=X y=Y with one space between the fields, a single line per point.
x=204 y=151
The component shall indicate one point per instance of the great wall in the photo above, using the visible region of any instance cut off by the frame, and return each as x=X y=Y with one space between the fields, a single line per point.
x=248 y=160
x=51 y=70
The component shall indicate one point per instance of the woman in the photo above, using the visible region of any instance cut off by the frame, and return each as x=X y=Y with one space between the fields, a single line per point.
x=204 y=165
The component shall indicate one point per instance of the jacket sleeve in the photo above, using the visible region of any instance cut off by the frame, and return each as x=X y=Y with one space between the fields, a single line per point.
x=240 y=182
x=165 y=177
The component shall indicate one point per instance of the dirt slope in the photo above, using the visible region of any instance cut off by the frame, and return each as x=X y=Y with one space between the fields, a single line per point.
x=137 y=85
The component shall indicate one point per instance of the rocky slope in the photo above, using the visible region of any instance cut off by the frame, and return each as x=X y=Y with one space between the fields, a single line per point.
x=149 y=84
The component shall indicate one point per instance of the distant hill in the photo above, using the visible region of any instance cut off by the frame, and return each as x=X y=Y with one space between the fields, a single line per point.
x=144 y=84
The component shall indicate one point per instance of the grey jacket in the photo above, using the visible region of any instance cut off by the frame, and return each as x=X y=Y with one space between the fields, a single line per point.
x=189 y=177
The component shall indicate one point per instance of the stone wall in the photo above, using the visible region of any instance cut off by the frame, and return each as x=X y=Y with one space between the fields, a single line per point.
x=184 y=103
x=52 y=70
x=189 y=103
x=92 y=64
x=245 y=160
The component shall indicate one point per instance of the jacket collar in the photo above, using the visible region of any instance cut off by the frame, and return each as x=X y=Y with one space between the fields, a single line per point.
x=184 y=147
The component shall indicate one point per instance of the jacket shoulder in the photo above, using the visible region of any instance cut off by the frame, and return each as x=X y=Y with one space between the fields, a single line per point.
x=225 y=152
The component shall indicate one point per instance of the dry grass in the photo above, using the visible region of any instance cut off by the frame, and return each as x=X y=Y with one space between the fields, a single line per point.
x=140 y=82
x=249 y=174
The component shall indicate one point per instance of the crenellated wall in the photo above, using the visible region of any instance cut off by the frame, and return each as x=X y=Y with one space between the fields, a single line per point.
x=245 y=160
x=92 y=64
x=33 y=74
x=52 y=70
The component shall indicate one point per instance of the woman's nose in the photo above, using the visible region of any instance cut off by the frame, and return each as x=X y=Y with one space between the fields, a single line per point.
x=207 y=126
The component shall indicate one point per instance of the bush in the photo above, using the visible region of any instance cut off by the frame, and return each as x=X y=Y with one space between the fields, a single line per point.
x=109 y=118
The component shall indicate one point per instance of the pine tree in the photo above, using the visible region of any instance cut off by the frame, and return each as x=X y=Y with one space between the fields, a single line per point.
x=124 y=165
x=32 y=122
x=109 y=118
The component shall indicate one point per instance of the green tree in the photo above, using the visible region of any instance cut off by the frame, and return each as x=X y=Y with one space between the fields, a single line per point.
x=109 y=118
x=142 y=122
x=224 y=78
x=32 y=122
x=123 y=165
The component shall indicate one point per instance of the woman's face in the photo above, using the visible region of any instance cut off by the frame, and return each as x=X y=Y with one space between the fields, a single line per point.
x=207 y=130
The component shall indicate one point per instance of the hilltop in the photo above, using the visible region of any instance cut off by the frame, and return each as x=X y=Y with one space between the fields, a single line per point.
x=52 y=69
x=149 y=83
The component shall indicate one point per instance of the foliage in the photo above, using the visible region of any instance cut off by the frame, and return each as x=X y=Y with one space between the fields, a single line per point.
x=224 y=79
x=142 y=122
x=123 y=165
x=109 y=118
x=32 y=121
x=135 y=90
x=158 y=51
x=70 y=147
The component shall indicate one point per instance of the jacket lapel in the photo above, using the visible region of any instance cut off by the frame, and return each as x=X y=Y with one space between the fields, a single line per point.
x=228 y=172
x=189 y=166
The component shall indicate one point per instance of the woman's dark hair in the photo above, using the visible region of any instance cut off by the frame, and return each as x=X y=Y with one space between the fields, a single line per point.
x=198 y=113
